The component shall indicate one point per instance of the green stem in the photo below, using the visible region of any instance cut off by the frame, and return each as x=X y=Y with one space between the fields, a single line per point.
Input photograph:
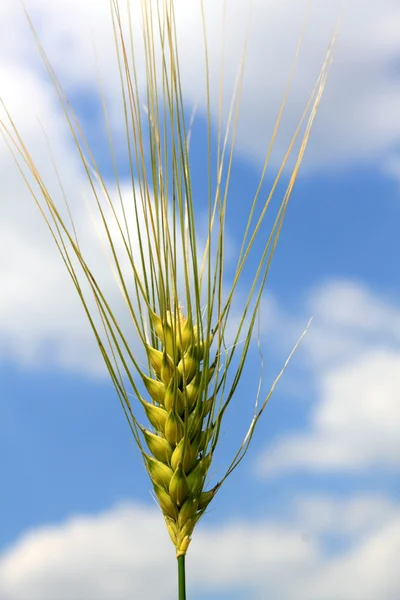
x=181 y=577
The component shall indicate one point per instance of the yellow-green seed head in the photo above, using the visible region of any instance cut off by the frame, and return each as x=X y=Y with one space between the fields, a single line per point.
x=183 y=546
x=170 y=319
x=188 y=367
x=184 y=334
x=197 y=476
x=196 y=334
x=172 y=530
x=204 y=438
x=188 y=509
x=158 y=446
x=187 y=528
x=174 y=399
x=155 y=358
x=195 y=422
x=166 y=504
x=157 y=325
x=191 y=392
x=178 y=487
x=164 y=333
x=205 y=498
x=156 y=415
x=155 y=388
x=174 y=428
x=167 y=368
x=169 y=342
x=201 y=347
x=200 y=350
x=160 y=473
x=184 y=453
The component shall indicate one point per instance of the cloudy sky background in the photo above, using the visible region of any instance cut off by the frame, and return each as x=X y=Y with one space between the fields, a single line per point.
x=314 y=511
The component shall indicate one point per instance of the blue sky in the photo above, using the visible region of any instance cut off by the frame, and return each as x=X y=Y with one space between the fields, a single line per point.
x=313 y=511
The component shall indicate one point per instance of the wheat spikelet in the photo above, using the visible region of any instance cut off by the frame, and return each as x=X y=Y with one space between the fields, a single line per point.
x=178 y=461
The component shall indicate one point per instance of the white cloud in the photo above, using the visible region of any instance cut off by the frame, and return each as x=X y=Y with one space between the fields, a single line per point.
x=353 y=350
x=125 y=553
x=368 y=571
x=94 y=557
x=39 y=308
x=41 y=319
x=360 y=115
x=40 y=316
x=392 y=166
x=350 y=318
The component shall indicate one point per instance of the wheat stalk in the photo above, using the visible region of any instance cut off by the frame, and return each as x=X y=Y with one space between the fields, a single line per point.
x=191 y=374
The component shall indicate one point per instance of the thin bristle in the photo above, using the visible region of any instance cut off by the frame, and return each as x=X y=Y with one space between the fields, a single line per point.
x=161 y=264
